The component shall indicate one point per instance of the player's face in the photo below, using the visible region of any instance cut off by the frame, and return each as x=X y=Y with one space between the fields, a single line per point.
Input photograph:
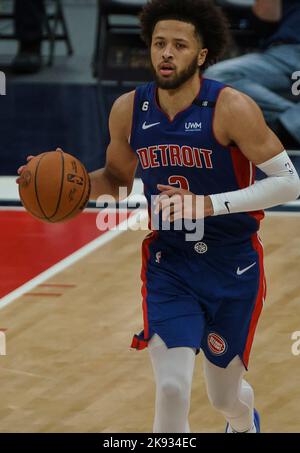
x=176 y=53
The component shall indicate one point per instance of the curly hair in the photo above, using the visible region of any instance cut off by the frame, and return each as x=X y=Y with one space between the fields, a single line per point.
x=210 y=23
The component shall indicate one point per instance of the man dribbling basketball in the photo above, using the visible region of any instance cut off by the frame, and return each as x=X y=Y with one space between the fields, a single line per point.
x=198 y=140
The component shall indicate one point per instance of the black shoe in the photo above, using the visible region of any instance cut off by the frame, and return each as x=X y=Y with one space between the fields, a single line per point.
x=27 y=62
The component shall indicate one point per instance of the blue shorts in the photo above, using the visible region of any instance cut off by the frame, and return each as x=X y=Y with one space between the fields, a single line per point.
x=203 y=297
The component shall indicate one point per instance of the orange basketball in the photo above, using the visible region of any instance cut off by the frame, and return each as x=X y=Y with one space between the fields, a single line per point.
x=54 y=187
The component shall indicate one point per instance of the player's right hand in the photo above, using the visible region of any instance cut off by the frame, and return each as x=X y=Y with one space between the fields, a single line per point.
x=21 y=169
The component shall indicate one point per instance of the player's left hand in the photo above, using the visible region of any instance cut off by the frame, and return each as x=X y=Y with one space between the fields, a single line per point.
x=176 y=203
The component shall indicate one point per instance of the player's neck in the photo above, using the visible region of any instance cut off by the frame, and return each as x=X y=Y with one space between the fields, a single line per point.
x=175 y=101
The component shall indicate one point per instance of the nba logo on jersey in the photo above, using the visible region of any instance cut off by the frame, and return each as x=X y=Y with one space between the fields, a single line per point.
x=158 y=257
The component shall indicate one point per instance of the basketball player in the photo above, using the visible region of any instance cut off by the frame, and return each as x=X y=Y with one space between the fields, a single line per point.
x=197 y=139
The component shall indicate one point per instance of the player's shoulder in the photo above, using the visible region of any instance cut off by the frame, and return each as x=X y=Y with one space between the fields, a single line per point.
x=122 y=112
x=124 y=103
x=235 y=104
x=238 y=115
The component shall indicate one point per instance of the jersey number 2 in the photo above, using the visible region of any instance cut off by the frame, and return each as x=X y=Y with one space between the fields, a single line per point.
x=181 y=180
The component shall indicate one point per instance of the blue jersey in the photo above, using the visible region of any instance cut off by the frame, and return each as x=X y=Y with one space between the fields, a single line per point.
x=185 y=152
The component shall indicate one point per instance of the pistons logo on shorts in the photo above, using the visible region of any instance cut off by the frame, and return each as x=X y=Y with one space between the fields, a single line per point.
x=217 y=345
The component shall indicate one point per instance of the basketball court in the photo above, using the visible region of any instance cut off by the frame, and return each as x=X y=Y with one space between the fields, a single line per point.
x=70 y=305
x=70 y=295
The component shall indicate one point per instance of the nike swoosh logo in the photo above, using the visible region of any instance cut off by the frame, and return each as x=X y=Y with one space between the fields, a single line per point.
x=148 y=126
x=242 y=271
x=227 y=203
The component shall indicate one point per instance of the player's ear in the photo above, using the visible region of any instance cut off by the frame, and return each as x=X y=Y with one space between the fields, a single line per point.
x=202 y=57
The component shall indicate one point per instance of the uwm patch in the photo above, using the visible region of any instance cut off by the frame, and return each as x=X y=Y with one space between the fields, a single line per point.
x=216 y=344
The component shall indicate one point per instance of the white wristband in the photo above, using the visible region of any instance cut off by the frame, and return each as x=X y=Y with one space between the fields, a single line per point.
x=281 y=185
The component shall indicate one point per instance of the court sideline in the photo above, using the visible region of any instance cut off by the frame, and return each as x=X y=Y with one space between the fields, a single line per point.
x=69 y=368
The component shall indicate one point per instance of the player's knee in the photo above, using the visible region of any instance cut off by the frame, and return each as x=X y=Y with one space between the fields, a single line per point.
x=221 y=401
x=175 y=389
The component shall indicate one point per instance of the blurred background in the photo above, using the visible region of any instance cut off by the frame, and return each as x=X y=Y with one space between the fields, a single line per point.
x=65 y=62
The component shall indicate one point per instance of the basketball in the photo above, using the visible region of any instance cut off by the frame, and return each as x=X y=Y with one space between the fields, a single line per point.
x=54 y=187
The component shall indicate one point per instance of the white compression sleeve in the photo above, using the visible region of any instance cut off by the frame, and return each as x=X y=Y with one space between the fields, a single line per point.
x=281 y=185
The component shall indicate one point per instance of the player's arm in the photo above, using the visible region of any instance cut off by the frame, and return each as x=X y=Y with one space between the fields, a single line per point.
x=121 y=161
x=242 y=122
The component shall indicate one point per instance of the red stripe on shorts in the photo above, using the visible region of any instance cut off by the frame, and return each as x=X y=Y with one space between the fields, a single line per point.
x=257 y=245
x=145 y=259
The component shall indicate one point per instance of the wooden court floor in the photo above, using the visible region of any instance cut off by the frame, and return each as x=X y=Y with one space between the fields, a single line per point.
x=69 y=368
